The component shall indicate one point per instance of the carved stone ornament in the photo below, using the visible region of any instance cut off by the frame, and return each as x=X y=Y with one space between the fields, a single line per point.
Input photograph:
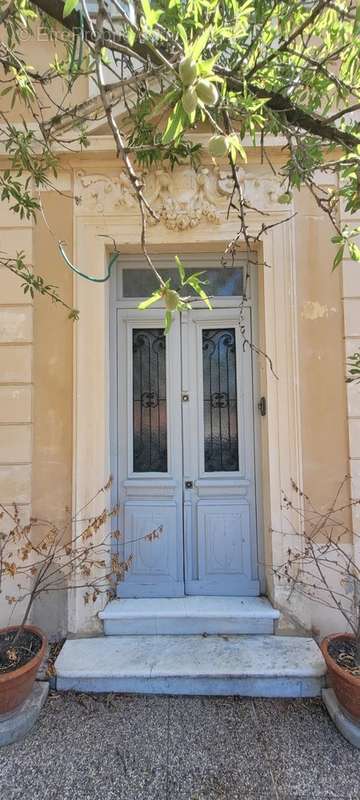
x=182 y=198
x=260 y=192
x=104 y=193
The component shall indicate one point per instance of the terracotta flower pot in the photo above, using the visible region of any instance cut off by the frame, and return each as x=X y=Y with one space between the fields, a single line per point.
x=16 y=686
x=345 y=685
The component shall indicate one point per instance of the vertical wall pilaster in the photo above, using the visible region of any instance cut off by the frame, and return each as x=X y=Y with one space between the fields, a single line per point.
x=16 y=337
x=351 y=301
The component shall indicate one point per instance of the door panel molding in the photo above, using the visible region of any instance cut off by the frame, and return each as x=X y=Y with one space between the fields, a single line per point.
x=221 y=495
x=149 y=499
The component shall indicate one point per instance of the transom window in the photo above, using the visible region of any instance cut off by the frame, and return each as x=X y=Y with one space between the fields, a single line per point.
x=220 y=282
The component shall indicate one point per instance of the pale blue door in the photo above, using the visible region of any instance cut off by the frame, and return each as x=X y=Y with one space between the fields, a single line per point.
x=218 y=443
x=184 y=417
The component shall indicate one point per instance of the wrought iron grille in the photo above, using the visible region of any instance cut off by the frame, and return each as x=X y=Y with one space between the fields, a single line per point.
x=149 y=400
x=220 y=400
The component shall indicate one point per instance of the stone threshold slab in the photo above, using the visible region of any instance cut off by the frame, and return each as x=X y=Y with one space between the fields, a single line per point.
x=257 y=666
x=189 y=615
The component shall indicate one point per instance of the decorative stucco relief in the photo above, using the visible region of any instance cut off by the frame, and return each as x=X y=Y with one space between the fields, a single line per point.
x=181 y=198
x=103 y=193
x=260 y=192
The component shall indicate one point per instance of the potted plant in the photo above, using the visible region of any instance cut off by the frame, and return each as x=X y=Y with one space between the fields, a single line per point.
x=321 y=566
x=42 y=557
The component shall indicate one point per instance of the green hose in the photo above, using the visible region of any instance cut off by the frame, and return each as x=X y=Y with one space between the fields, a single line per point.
x=92 y=278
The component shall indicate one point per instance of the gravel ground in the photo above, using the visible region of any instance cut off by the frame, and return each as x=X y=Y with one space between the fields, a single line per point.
x=180 y=748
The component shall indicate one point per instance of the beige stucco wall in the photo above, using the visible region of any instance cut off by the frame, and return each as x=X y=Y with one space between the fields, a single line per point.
x=321 y=356
x=52 y=381
x=351 y=304
x=36 y=368
x=37 y=355
x=53 y=366
x=39 y=51
x=16 y=395
x=36 y=431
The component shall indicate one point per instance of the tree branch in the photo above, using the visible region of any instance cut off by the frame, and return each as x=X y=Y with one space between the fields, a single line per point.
x=277 y=103
x=295 y=115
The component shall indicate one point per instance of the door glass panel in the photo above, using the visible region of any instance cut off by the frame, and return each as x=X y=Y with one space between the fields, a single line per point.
x=149 y=400
x=220 y=400
x=221 y=281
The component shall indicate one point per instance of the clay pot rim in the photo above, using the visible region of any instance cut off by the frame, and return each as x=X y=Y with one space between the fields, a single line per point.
x=343 y=673
x=15 y=673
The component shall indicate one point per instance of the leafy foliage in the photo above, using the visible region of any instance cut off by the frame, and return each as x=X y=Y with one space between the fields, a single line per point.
x=354 y=368
x=244 y=68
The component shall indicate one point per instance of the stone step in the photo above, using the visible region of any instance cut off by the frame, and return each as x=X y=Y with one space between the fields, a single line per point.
x=251 y=666
x=189 y=615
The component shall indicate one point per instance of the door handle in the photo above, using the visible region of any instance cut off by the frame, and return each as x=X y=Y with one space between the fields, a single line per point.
x=262 y=406
x=189 y=484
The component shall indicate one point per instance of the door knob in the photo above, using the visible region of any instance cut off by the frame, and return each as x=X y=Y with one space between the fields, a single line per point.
x=189 y=485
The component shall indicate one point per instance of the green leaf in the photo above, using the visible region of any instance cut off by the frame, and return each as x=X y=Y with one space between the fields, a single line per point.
x=199 y=45
x=150 y=300
x=206 y=67
x=183 y=36
x=193 y=281
x=195 y=277
x=166 y=100
x=146 y=7
x=205 y=298
x=354 y=251
x=131 y=36
x=105 y=56
x=69 y=7
x=181 y=269
x=338 y=257
x=168 y=321
x=151 y=16
x=175 y=124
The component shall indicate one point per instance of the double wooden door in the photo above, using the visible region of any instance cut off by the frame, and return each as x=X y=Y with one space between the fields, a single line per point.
x=185 y=453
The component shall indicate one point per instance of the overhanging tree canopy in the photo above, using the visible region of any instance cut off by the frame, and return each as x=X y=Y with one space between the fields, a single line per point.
x=244 y=67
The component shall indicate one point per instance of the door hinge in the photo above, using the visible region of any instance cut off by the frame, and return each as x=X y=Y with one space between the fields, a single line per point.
x=262 y=406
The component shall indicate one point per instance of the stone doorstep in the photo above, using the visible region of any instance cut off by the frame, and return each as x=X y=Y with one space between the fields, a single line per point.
x=251 y=666
x=189 y=615
x=349 y=727
x=16 y=725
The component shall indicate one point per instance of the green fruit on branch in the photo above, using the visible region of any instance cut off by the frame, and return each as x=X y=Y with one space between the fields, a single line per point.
x=187 y=70
x=171 y=299
x=218 y=146
x=189 y=100
x=285 y=198
x=207 y=92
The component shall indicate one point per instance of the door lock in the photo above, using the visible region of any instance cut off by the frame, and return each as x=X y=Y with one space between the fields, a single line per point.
x=262 y=406
x=185 y=397
x=189 y=484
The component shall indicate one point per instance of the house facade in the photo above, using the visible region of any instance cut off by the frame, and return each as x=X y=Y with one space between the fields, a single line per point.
x=202 y=429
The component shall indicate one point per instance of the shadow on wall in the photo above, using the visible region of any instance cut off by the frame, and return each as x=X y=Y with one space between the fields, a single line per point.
x=50 y=613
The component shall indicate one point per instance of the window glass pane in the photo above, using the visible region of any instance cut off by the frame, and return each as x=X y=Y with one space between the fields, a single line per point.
x=149 y=400
x=220 y=400
x=222 y=281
